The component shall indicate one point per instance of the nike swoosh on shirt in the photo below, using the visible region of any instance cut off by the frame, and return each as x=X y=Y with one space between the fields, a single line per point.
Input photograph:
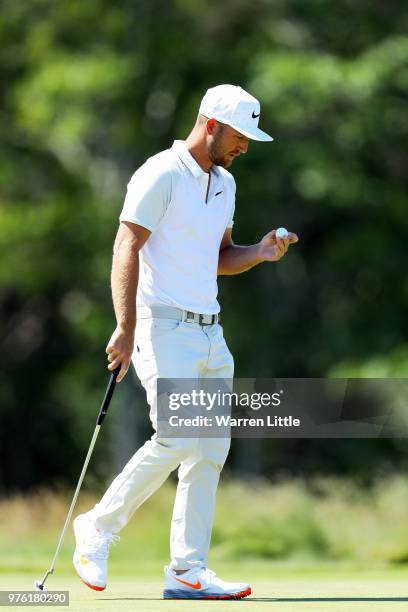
x=197 y=585
x=218 y=193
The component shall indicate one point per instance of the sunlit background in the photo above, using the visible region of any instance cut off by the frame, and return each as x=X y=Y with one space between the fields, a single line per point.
x=88 y=91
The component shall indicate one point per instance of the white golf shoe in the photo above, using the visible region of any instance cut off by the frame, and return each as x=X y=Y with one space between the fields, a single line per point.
x=91 y=552
x=201 y=583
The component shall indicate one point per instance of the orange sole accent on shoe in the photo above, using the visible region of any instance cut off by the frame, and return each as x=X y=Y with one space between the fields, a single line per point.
x=239 y=595
x=93 y=586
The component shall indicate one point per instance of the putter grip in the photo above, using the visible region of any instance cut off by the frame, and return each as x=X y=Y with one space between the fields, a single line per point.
x=108 y=396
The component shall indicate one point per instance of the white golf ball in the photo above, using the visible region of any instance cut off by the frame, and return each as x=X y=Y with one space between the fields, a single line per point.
x=282 y=232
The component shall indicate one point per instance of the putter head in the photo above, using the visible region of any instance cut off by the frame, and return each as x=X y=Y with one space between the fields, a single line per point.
x=40 y=586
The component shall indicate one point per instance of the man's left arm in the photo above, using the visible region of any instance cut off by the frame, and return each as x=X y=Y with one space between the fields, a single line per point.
x=234 y=259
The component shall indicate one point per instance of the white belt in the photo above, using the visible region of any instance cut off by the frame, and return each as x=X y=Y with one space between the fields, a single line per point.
x=169 y=312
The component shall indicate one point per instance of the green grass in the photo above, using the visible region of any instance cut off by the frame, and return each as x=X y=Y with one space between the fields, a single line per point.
x=327 y=545
x=281 y=587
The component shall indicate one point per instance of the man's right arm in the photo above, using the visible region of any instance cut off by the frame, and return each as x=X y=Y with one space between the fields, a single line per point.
x=124 y=279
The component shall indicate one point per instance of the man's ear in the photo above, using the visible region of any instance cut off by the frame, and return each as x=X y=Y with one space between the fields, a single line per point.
x=211 y=126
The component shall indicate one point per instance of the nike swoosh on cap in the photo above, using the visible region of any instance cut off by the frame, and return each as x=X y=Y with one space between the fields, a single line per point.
x=255 y=116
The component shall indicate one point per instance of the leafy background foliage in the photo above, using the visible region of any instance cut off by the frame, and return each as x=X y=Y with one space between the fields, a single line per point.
x=88 y=91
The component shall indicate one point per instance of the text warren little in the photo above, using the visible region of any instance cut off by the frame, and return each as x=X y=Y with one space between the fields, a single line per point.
x=228 y=421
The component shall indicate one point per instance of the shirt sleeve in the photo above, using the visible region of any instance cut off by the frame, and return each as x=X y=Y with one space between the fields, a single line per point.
x=148 y=196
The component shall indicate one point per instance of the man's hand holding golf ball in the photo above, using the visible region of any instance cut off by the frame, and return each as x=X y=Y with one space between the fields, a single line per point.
x=274 y=245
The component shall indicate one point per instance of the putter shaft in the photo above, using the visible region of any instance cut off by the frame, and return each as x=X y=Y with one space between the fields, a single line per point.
x=102 y=413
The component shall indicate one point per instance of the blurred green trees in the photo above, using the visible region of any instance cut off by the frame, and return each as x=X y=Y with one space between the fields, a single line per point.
x=89 y=90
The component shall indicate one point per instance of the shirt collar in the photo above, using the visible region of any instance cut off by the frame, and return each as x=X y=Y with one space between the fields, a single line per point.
x=179 y=146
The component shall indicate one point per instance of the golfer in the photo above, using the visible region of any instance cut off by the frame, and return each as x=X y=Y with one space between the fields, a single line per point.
x=174 y=238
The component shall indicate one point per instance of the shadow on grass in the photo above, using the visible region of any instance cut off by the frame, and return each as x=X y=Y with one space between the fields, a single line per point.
x=275 y=599
x=326 y=599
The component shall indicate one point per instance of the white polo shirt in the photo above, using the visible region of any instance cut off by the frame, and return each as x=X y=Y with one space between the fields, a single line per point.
x=178 y=263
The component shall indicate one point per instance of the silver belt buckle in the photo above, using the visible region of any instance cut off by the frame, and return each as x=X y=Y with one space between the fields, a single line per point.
x=192 y=317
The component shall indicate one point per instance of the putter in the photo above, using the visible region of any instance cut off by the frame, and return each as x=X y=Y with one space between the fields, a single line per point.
x=40 y=584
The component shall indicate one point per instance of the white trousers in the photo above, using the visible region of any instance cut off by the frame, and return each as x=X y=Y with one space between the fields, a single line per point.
x=168 y=348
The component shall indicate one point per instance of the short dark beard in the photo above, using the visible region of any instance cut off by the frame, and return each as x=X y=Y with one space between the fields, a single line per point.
x=215 y=150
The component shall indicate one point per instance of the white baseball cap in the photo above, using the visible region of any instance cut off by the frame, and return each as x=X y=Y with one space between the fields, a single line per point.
x=234 y=106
